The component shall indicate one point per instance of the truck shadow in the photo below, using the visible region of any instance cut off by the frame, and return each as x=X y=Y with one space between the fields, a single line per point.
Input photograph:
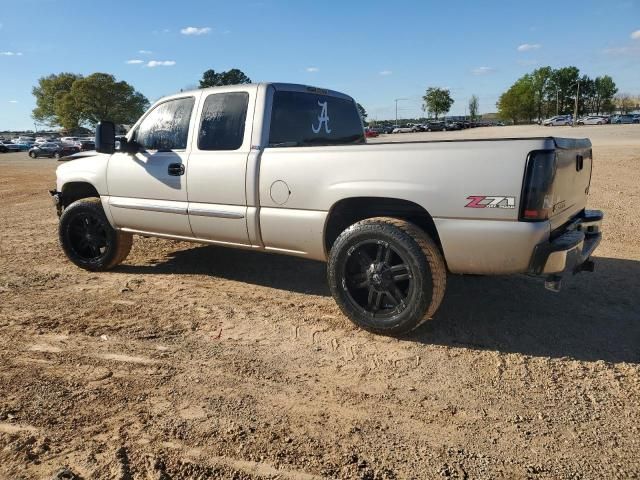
x=595 y=316
x=257 y=268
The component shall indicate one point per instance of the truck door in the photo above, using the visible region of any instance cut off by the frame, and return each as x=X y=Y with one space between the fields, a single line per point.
x=218 y=165
x=148 y=191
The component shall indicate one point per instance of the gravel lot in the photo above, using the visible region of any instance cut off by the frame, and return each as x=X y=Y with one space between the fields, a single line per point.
x=190 y=361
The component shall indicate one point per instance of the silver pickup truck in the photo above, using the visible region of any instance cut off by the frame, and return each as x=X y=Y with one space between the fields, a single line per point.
x=285 y=168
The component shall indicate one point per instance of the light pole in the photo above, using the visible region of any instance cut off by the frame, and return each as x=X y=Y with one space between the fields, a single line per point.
x=575 y=108
x=397 y=100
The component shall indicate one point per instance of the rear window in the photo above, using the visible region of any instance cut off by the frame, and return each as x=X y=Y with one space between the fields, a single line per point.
x=300 y=119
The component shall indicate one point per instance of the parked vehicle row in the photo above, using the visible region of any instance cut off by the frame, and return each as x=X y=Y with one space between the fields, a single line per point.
x=47 y=146
x=566 y=120
x=431 y=126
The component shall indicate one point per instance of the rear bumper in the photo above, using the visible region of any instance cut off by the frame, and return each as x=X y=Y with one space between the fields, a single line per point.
x=570 y=251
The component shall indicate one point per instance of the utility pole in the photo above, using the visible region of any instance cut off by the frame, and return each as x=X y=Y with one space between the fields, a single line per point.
x=397 y=100
x=575 y=108
x=557 y=98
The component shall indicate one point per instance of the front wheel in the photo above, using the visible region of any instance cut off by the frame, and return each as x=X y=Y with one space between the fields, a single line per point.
x=386 y=275
x=88 y=239
x=33 y=154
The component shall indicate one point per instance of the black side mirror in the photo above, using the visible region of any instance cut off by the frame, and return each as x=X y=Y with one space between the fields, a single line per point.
x=106 y=137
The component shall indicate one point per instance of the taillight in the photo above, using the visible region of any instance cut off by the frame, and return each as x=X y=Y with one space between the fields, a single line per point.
x=537 y=194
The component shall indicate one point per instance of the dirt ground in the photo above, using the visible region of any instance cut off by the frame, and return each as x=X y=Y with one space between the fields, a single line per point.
x=191 y=361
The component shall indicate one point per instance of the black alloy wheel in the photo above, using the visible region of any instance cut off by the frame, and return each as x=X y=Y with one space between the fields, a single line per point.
x=386 y=275
x=88 y=239
x=378 y=278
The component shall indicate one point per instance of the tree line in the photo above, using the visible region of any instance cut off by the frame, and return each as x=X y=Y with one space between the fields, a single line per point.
x=546 y=92
x=70 y=100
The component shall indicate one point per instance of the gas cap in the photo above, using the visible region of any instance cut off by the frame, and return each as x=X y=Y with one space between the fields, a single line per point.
x=280 y=192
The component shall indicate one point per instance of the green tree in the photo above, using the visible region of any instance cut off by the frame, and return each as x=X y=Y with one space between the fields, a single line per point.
x=474 y=103
x=541 y=81
x=605 y=89
x=518 y=103
x=362 y=112
x=211 y=78
x=49 y=93
x=100 y=97
x=586 y=99
x=437 y=101
x=564 y=83
x=71 y=100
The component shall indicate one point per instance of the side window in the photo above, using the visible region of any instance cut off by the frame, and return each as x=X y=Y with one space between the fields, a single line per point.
x=300 y=119
x=167 y=126
x=223 y=119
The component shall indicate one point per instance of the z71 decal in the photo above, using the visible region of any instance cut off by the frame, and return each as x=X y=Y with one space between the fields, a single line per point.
x=488 y=201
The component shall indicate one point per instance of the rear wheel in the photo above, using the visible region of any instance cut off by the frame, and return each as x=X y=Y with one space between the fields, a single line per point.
x=386 y=275
x=88 y=239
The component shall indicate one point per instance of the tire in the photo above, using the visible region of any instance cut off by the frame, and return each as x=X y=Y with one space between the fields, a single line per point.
x=428 y=129
x=88 y=239
x=599 y=123
x=386 y=275
x=57 y=155
x=33 y=154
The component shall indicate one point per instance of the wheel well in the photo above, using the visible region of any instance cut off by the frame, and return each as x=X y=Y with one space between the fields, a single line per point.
x=351 y=210
x=73 y=191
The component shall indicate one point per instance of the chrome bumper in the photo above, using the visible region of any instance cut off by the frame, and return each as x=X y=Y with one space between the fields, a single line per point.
x=570 y=251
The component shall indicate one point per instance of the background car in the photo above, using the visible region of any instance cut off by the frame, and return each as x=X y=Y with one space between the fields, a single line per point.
x=435 y=126
x=591 y=120
x=53 y=150
x=368 y=132
x=557 y=120
x=8 y=147
x=404 y=129
x=625 y=118
x=88 y=145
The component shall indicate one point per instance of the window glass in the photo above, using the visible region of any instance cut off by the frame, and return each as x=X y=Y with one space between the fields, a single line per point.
x=167 y=126
x=304 y=119
x=223 y=120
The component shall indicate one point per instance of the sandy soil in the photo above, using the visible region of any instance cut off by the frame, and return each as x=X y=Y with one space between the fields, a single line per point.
x=198 y=362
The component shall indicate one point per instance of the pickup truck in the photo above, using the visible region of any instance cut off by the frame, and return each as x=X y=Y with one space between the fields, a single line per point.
x=286 y=168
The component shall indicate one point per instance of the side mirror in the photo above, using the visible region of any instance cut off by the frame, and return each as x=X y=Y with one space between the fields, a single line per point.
x=106 y=137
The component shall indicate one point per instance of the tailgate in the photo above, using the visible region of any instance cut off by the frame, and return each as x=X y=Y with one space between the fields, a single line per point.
x=572 y=179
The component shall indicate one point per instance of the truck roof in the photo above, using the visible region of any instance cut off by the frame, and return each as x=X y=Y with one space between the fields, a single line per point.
x=297 y=87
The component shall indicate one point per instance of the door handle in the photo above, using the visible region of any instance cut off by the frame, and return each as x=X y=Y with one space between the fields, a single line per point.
x=175 y=169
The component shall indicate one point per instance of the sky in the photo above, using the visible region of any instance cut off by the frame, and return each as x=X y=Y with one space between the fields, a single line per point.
x=375 y=51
